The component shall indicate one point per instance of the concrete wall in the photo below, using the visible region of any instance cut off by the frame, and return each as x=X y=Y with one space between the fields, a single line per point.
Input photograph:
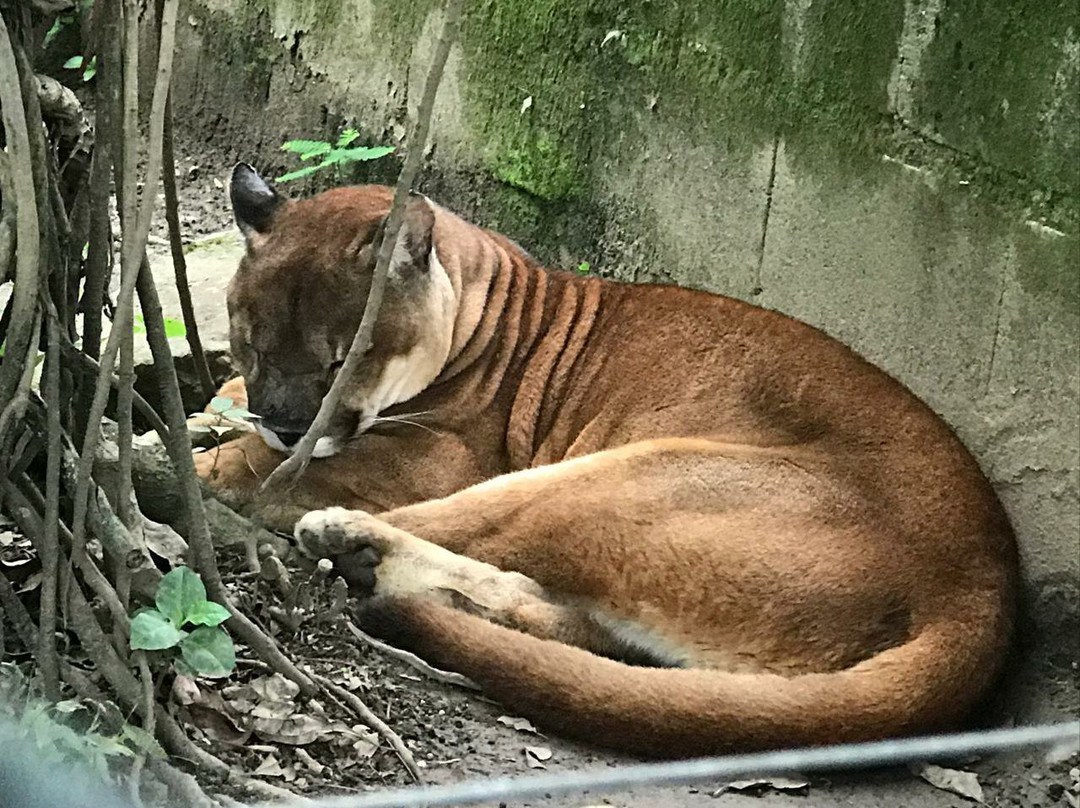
x=903 y=173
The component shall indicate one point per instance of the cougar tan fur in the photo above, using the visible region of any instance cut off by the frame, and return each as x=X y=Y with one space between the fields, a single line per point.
x=653 y=518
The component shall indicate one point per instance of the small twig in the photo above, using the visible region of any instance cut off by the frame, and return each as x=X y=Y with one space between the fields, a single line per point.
x=339 y=592
x=295 y=464
x=21 y=329
x=176 y=244
x=273 y=571
x=411 y=659
x=353 y=703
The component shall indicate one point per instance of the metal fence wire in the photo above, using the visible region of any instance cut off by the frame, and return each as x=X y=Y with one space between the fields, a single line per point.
x=1063 y=738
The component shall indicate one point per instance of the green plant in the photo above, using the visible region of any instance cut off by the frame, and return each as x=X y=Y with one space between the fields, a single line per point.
x=62 y=21
x=66 y=733
x=173 y=327
x=338 y=154
x=181 y=601
x=76 y=63
x=223 y=409
x=584 y=267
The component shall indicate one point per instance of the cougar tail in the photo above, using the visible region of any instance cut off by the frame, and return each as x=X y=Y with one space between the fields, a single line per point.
x=924 y=685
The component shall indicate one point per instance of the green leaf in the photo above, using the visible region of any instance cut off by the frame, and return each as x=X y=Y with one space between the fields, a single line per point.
x=138 y=325
x=306 y=148
x=153 y=631
x=91 y=69
x=221 y=404
x=206 y=613
x=112 y=745
x=143 y=741
x=346 y=137
x=239 y=413
x=54 y=29
x=178 y=592
x=209 y=651
x=583 y=268
x=74 y=63
x=175 y=328
x=362 y=153
x=300 y=172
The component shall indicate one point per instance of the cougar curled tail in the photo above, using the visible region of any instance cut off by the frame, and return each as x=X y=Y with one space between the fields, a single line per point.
x=924 y=685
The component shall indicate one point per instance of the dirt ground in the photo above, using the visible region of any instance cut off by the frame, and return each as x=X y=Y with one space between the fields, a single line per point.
x=456 y=734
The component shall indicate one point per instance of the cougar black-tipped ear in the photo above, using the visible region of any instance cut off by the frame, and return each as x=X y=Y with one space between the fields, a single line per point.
x=415 y=237
x=253 y=200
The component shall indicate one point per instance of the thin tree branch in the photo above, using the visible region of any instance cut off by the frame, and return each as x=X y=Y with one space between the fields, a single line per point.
x=295 y=464
x=24 y=297
x=49 y=552
x=353 y=703
x=16 y=406
x=411 y=659
x=147 y=680
x=133 y=248
x=99 y=249
x=7 y=222
x=128 y=265
x=176 y=244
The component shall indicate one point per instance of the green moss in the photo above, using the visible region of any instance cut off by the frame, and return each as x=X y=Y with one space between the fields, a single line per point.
x=997 y=81
x=599 y=72
x=837 y=87
x=538 y=165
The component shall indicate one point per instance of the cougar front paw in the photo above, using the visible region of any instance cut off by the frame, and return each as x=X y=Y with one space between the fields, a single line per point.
x=336 y=531
x=351 y=539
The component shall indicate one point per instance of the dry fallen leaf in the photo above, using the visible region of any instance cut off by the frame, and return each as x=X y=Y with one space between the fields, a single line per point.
x=296 y=730
x=185 y=689
x=520 y=724
x=164 y=541
x=208 y=711
x=275 y=688
x=536 y=755
x=271 y=768
x=966 y=784
x=757 y=785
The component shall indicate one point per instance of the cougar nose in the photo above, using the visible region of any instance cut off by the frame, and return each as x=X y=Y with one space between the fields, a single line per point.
x=288 y=437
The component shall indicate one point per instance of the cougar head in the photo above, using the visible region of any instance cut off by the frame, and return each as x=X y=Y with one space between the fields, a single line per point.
x=296 y=301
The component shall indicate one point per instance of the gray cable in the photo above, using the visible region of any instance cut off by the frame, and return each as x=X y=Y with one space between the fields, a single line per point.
x=832 y=758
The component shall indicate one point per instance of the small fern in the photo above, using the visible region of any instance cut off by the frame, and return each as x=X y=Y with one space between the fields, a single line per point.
x=339 y=153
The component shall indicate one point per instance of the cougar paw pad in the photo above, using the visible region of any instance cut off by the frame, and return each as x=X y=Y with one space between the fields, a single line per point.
x=359 y=570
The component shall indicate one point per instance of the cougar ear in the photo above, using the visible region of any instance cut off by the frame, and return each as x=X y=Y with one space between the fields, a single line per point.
x=253 y=200
x=414 y=239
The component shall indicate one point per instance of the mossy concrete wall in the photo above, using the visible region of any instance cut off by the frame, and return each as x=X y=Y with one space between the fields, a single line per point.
x=902 y=173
